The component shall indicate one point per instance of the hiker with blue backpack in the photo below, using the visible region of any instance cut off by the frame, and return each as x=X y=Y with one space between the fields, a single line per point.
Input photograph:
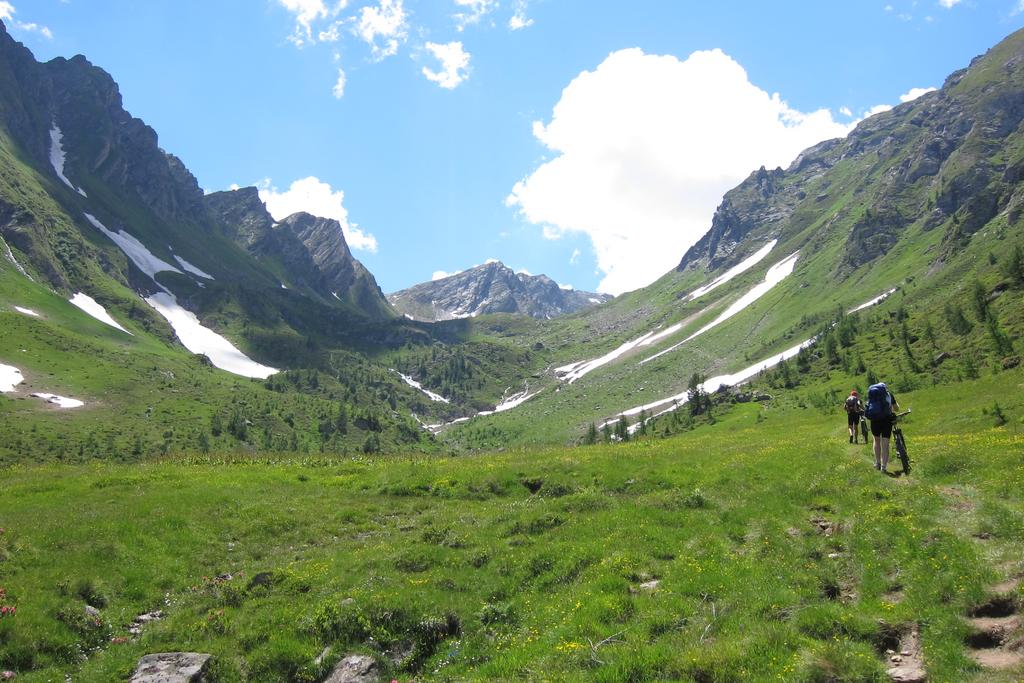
x=881 y=410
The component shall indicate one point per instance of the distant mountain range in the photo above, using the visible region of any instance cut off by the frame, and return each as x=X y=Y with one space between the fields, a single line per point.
x=491 y=288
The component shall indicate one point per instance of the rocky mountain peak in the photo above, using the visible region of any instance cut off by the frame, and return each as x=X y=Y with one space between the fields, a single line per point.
x=311 y=250
x=491 y=287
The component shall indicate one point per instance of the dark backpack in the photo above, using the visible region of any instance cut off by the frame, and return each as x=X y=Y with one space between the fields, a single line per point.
x=852 y=404
x=879 y=402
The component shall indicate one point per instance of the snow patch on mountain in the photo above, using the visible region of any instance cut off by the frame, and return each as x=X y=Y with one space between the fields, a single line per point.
x=736 y=270
x=419 y=387
x=714 y=384
x=730 y=380
x=93 y=308
x=142 y=257
x=26 y=311
x=192 y=334
x=774 y=276
x=881 y=297
x=197 y=338
x=512 y=401
x=571 y=373
x=57 y=158
x=192 y=269
x=507 y=403
x=10 y=257
x=62 y=401
x=10 y=377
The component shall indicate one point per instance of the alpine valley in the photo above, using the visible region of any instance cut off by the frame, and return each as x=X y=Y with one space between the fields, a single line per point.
x=219 y=436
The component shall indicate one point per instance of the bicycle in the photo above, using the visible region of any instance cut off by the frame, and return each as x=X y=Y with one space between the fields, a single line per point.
x=864 y=427
x=900 y=443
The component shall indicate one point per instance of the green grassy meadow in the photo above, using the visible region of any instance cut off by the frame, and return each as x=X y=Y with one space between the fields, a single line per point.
x=779 y=552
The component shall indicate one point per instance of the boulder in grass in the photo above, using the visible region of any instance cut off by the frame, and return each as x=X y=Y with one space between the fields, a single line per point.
x=355 y=669
x=171 y=667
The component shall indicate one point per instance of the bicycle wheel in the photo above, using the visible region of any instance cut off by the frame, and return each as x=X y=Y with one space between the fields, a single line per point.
x=864 y=429
x=901 y=450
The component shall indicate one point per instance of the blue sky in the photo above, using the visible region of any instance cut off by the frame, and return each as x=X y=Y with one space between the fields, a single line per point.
x=581 y=139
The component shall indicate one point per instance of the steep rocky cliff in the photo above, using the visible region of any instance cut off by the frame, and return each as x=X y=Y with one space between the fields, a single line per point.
x=63 y=122
x=949 y=160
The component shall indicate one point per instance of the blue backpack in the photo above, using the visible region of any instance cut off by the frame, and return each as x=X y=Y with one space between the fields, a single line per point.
x=879 y=402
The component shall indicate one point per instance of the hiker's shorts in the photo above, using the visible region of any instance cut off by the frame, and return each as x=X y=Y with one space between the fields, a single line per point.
x=882 y=428
x=852 y=419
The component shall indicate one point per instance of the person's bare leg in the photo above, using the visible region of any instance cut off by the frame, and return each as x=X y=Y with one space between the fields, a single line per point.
x=885 y=453
x=877 y=446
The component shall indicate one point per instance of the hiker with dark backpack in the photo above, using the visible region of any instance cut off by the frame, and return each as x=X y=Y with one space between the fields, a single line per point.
x=881 y=410
x=854 y=410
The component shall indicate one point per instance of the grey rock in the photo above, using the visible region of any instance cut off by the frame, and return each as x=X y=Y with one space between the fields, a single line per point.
x=355 y=669
x=171 y=667
x=143 y=619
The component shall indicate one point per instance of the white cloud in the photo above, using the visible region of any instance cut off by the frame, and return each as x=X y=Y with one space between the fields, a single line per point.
x=454 y=64
x=575 y=257
x=306 y=12
x=877 y=109
x=948 y=4
x=519 y=19
x=523 y=271
x=440 y=275
x=474 y=11
x=845 y=111
x=7 y=12
x=914 y=93
x=550 y=232
x=1018 y=9
x=383 y=27
x=316 y=197
x=647 y=145
x=339 y=85
x=332 y=33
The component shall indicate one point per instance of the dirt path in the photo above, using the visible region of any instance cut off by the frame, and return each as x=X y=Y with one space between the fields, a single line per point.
x=908 y=662
x=996 y=641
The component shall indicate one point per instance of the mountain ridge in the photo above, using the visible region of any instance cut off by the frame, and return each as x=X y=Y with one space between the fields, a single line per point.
x=491 y=287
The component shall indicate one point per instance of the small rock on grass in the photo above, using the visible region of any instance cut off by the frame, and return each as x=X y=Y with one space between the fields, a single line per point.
x=355 y=669
x=171 y=667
